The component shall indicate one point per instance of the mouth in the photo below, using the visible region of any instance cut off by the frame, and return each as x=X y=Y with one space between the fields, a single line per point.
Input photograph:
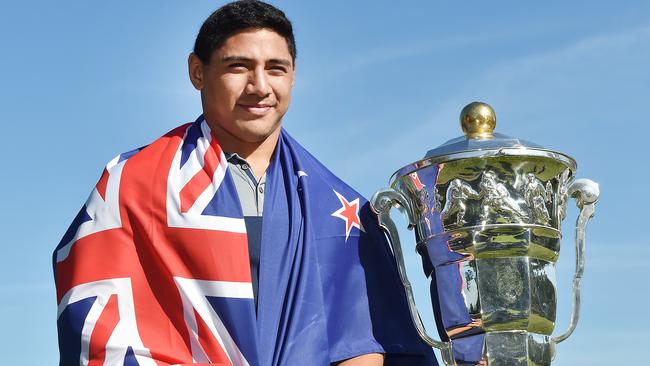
x=256 y=108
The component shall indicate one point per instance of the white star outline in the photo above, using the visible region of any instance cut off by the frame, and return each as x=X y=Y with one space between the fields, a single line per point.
x=339 y=214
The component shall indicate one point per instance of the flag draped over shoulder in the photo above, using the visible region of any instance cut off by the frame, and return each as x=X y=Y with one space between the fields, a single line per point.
x=154 y=269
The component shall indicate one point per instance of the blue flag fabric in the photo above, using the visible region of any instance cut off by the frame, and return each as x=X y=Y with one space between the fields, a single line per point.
x=329 y=288
x=155 y=270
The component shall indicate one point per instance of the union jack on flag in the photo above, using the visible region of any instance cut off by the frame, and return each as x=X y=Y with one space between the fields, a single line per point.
x=154 y=269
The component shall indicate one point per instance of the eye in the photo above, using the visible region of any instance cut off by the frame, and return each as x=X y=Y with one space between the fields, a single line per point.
x=237 y=66
x=278 y=69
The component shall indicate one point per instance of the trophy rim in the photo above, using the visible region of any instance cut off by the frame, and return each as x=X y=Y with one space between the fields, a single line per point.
x=567 y=160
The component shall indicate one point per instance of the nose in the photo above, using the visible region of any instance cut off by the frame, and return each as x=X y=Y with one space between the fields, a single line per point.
x=258 y=83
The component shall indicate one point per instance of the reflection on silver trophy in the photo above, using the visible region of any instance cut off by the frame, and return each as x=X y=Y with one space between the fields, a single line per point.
x=487 y=210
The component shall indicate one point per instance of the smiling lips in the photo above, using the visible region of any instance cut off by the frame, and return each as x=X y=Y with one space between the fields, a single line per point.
x=257 y=108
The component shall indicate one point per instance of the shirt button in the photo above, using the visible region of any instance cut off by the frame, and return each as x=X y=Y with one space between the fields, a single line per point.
x=245 y=166
x=261 y=189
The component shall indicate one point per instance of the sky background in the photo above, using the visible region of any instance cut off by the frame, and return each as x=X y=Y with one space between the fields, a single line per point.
x=378 y=84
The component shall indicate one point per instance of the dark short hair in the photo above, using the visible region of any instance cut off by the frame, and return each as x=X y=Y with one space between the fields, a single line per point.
x=237 y=16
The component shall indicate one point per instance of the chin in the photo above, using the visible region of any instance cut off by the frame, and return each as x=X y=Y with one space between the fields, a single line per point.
x=257 y=133
x=261 y=127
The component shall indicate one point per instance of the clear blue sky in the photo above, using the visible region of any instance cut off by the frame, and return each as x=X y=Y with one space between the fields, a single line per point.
x=378 y=85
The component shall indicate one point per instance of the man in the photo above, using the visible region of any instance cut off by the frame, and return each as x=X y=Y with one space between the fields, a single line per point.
x=224 y=241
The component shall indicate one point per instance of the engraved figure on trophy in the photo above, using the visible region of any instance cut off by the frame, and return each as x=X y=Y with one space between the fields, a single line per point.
x=536 y=196
x=424 y=201
x=497 y=199
x=437 y=201
x=563 y=193
x=457 y=195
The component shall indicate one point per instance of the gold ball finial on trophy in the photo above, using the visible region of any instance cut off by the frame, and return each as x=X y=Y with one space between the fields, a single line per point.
x=478 y=120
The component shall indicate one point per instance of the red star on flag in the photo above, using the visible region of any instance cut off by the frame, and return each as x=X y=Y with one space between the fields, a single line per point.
x=349 y=212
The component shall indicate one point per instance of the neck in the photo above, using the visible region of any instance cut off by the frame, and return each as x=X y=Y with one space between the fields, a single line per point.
x=258 y=154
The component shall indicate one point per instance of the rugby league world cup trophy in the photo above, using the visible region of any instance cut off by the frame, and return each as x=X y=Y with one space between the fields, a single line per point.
x=487 y=210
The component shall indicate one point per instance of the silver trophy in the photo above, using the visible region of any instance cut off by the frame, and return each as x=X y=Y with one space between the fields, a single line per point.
x=487 y=210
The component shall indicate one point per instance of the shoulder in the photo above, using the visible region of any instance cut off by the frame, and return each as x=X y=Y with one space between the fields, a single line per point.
x=133 y=173
x=156 y=147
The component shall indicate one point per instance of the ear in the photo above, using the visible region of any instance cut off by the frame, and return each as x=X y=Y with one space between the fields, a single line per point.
x=293 y=74
x=195 y=70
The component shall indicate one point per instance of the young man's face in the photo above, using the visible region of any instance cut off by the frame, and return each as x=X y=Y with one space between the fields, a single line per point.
x=246 y=87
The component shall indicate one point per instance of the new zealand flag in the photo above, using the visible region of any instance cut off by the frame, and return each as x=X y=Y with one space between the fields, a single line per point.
x=154 y=270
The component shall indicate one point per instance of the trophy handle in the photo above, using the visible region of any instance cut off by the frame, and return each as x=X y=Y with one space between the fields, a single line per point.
x=381 y=203
x=586 y=193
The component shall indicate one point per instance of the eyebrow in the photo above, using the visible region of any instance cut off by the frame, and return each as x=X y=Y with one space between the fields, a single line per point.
x=235 y=58
x=280 y=61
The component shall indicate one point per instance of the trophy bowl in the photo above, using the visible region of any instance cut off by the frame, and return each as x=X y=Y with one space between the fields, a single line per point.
x=487 y=211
